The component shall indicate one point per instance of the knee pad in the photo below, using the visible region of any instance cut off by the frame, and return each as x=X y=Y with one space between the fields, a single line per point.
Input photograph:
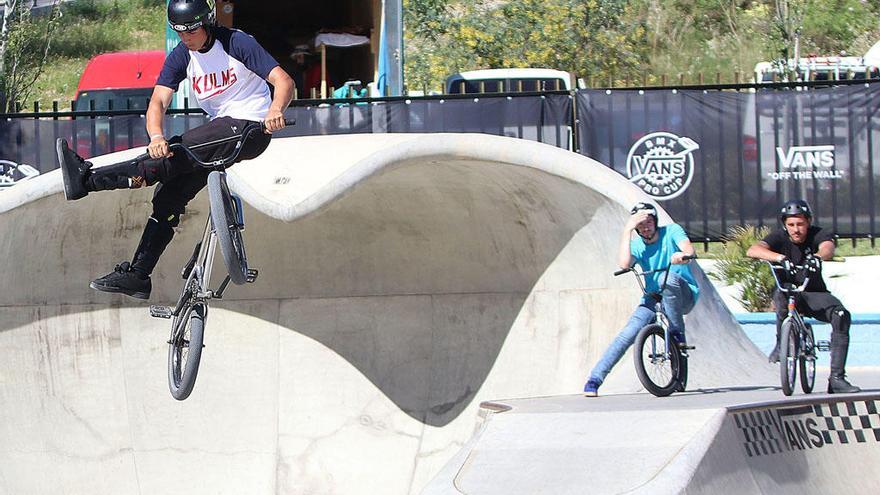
x=840 y=319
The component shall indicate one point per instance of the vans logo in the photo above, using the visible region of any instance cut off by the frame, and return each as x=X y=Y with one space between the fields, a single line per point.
x=806 y=162
x=786 y=429
x=662 y=164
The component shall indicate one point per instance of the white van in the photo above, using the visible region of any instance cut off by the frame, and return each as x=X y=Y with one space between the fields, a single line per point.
x=508 y=80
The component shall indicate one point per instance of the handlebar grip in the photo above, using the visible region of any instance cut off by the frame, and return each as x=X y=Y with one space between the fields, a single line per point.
x=621 y=272
x=287 y=122
x=144 y=156
x=689 y=257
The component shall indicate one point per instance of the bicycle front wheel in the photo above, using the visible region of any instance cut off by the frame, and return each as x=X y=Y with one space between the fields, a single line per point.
x=224 y=217
x=185 y=350
x=788 y=355
x=807 y=360
x=657 y=370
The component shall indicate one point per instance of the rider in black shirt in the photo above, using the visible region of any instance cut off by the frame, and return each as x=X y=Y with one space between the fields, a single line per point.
x=801 y=243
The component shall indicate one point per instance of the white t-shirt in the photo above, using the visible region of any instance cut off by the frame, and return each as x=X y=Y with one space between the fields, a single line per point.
x=229 y=80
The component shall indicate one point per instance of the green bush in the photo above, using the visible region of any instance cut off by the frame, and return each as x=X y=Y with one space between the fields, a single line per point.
x=753 y=276
x=90 y=27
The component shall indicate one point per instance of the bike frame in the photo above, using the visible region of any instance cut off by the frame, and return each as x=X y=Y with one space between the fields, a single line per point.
x=660 y=317
x=200 y=274
x=791 y=292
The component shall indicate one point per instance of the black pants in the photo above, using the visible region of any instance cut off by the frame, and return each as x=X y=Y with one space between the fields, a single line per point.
x=824 y=307
x=179 y=179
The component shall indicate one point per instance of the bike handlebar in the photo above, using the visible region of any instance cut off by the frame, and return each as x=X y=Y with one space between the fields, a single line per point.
x=245 y=132
x=632 y=268
x=774 y=266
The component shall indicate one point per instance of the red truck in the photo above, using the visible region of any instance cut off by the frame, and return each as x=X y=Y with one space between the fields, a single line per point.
x=125 y=78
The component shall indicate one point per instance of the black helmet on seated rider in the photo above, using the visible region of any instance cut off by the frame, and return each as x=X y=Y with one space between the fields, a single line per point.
x=794 y=208
x=189 y=15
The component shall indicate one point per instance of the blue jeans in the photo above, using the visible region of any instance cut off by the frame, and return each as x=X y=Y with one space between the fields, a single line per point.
x=678 y=300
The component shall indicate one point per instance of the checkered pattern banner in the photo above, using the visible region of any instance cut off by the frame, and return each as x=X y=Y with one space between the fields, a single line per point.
x=777 y=430
x=847 y=422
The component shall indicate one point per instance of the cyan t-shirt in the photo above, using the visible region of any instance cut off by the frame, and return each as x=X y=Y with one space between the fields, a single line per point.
x=658 y=255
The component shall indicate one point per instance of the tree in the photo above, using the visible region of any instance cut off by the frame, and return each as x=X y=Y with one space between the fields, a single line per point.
x=25 y=39
x=789 y=21
x=590 y=38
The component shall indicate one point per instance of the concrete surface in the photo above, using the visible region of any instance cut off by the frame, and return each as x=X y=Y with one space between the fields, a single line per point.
x=404 y=280
x=708 y=440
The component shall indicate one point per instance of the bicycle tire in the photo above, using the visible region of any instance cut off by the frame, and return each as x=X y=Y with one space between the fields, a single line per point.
x=225 y=222
x=649 y=339
x=682 y=373
x=788 y=351
x=807 y=360
x=182 y=370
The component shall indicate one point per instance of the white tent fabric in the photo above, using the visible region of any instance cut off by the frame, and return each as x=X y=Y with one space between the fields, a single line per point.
x=342 y=40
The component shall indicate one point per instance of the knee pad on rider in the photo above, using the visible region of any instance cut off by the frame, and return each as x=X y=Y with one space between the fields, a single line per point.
x=840 y=319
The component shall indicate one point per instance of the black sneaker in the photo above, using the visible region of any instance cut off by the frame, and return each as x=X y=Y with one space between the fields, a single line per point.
x=839 y=385
x=74 y=170
x=123 y=280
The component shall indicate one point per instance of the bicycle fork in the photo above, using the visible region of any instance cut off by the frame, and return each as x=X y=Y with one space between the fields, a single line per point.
x=199 y=267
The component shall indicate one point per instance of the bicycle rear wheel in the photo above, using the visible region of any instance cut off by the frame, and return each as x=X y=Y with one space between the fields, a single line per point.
x=788 y=355
x=658 y=371
x=185 y=350
x=807 y=360
x=224 y=217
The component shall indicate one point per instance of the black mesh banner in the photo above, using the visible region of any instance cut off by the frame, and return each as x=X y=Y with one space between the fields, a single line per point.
x=32 y=141
x=544 y=118
x=714 y=159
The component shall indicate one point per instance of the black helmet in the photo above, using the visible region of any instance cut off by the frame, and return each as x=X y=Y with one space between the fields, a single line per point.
x=651 y=209
x=186 y=15
x=794 y=208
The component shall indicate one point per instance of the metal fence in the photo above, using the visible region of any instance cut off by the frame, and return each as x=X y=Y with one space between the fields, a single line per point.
x=713 y=156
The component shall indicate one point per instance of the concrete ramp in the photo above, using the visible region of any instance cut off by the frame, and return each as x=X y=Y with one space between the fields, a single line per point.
x=404 y=280
x=699 y=443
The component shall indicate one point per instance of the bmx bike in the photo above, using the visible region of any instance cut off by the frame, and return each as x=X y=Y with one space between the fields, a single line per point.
x=661 y=363
x=224 y=226
x=797 y=345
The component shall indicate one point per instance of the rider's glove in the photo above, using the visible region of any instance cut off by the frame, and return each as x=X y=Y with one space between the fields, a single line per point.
x=814 y=263
x=787 y=266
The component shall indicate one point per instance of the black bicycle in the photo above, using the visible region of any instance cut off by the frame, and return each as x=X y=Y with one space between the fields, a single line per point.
x=661 y=363
x=224 y=226
x=797 y=345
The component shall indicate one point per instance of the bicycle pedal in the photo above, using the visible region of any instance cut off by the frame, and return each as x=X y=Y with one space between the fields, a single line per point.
x=161 y=311
x=823 y=345
x=252 y=275
x=685 y=347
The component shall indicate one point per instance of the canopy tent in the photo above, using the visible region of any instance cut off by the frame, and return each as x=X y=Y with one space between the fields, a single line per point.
x=335 y=40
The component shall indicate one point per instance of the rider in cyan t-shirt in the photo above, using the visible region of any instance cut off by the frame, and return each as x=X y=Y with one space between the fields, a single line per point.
x=653 y=248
